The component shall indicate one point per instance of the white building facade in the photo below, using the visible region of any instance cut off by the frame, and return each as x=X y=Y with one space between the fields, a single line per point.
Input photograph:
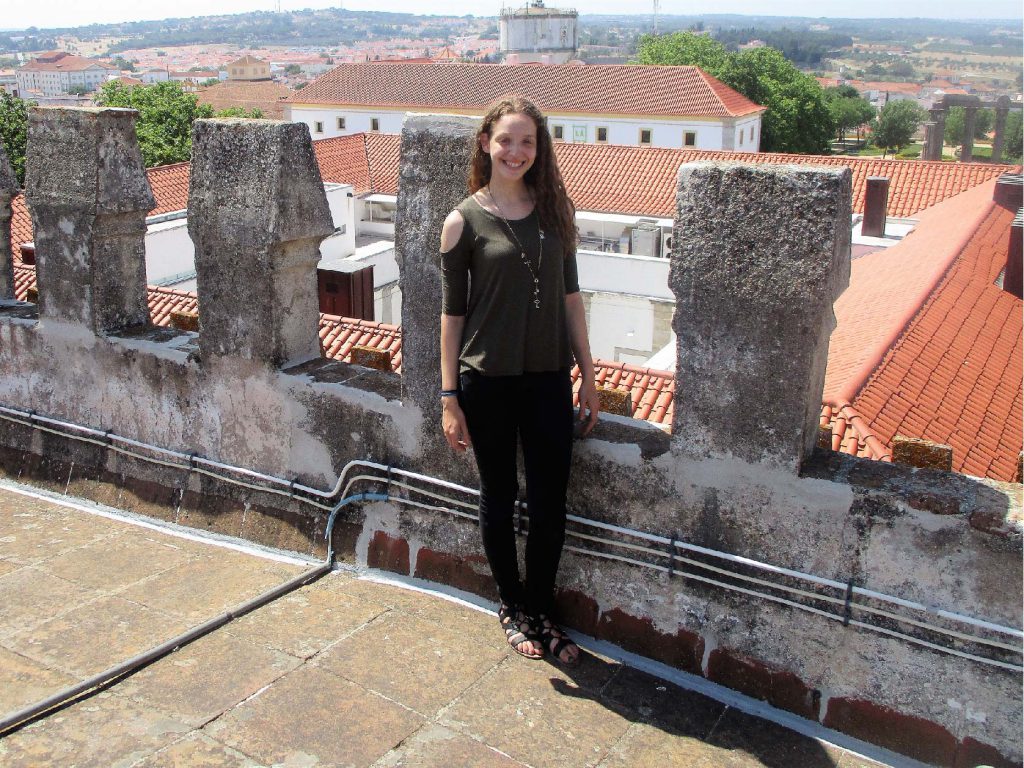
x=59 y=73
x=632 y=105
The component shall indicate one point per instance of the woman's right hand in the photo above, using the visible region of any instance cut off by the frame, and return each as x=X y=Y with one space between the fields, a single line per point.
x=453 y=422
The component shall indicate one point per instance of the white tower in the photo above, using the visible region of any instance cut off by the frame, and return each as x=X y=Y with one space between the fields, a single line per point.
x=534 y=33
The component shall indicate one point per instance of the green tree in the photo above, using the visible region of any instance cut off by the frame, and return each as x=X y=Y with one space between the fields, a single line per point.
x=847 y=108
x=78 y=89
x=120 y=62
x=293 y=69
x=1013 y=138
x=895 y=125
x=684 y=48
x=956 y=119
x=797 y=118
x=166 y=113
x=14 y=131
x=254 y=114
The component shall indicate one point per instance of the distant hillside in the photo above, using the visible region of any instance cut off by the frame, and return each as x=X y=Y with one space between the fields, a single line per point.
x=307 y=27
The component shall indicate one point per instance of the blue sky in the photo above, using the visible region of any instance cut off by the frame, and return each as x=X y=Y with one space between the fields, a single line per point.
x=53 y=13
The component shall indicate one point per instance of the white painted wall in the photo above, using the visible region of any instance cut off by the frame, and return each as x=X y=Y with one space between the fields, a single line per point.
x=170 y=253
x=625 y=274
x=711 y=133
x=617 y=321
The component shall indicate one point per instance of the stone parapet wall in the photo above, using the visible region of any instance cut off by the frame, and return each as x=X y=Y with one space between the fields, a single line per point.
x=725 y=481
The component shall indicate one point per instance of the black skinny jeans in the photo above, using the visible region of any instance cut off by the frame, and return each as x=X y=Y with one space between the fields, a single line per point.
x=538 y=408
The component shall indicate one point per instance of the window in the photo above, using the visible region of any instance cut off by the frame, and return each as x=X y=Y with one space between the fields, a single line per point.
x=341 y=123
x=374 y=123
x=741 y=138
x=751 y=133
x=645 y=135
x=690 y=139
x=558 y=132
x=601 y=134
x=318 y=127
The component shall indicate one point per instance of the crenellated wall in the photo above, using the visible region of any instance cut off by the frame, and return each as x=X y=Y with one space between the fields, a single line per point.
x=831 y=630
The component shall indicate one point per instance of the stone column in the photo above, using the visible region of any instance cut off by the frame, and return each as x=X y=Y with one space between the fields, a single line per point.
x=760 y=253
x=431 y=182
x=939 y=115
x=257 y=214
x=929 y=141
x=967 y=148
x=8 y=189
x=1002 y=109
x=87 y=191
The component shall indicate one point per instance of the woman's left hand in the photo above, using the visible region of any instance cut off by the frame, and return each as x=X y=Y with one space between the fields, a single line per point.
x=590 y=406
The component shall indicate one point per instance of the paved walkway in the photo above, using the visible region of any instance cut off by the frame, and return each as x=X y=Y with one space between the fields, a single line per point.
x=344 y=672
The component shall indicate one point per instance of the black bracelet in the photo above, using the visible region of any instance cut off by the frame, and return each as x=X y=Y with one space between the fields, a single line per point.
x=449 y=393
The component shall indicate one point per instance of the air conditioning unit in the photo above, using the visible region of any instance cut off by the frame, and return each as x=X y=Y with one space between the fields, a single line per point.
x=666 y=243
x=645 y=239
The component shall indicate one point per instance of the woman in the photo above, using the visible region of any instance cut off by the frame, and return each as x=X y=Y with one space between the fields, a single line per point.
x=509 y=337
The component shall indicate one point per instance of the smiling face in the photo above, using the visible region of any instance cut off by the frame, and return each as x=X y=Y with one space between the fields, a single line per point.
x=512 y=145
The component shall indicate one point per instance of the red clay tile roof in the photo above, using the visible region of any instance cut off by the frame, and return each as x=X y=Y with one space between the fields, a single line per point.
x=21 y=225
x=265 y=95
x=170 y=187
x=629 y=89
x=954 y=376
x=642 y=180
x=889 y=286
x=382 y=152
x=343 y=160
x=59 y=61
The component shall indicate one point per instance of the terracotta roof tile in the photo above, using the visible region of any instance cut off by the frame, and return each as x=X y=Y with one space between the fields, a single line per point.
x=170 y=187
x=265 y=95
x=343 y=160
x=630 y=89
x=968 y=373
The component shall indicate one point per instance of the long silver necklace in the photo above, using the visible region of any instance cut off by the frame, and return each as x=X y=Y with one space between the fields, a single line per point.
x=535 y=274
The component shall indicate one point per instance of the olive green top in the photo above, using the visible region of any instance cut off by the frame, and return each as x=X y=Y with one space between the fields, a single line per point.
x=484 y=278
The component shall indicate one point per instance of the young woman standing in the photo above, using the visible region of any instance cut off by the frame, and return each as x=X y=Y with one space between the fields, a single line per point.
x=512 y=324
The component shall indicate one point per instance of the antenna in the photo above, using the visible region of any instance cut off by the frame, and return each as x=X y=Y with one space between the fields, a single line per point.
x=657 y=6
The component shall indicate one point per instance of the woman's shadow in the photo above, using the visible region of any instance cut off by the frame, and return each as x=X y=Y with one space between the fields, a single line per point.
x=713 y=733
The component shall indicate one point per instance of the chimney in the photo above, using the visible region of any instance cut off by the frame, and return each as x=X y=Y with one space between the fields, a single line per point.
x=876 y=207
x=1013 y=275
x=28 y=253
x=1010 y=194
x=1009 y=191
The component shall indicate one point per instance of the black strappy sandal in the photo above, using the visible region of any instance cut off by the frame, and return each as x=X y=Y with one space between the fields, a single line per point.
x=519 y=630
x=555 y=641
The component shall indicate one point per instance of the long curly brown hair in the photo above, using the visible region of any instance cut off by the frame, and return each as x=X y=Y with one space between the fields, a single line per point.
x=543 y=179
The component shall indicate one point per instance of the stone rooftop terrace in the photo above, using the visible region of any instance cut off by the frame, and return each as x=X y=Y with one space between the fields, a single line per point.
x=345 y=671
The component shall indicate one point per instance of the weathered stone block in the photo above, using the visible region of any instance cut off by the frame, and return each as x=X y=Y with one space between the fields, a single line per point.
x=8 y=189
x=87 y=190
x=432 y=181
x=614 y=400
x=370 y=357
x=257 y=214
x=923 y=454
x=760 y=253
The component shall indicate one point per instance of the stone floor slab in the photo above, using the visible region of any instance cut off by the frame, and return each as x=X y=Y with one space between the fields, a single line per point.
x=97 y=635
x=206 y=587
x=647 y=746
x=33 y=530
x=118 y=561
x=24 y=681
x=312 y=717
x=538 y=715
x=196 y=751
x=422 y=664
x=6 y=566
x=435 y=746
x=106 y=730
x=32 y=596
x=308 y=620
x=673 y=709
x=207 y=677
x=771 y=745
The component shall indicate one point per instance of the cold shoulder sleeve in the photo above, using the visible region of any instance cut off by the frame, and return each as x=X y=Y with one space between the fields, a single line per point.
x=455 y=274
x=570 y=275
